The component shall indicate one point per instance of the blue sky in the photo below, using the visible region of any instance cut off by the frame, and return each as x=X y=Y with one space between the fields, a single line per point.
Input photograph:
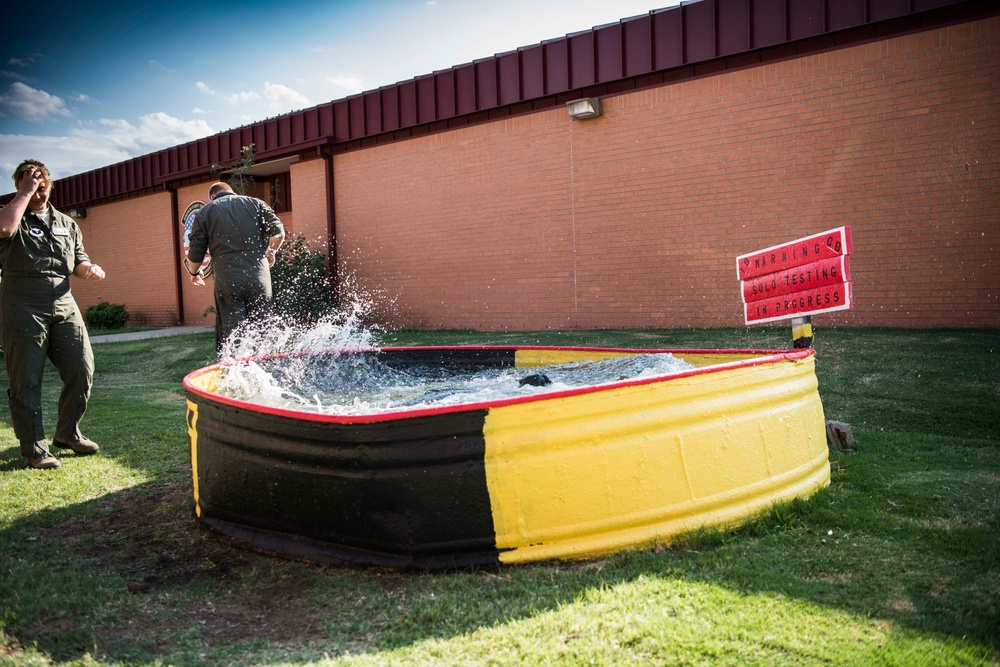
x=85 y=85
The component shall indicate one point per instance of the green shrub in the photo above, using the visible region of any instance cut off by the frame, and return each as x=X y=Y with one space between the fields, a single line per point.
x=107 y=316
x=301 y=283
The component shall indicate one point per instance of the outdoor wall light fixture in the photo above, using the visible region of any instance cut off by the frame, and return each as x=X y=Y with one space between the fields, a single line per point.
x=588 y=107
x=78 y=213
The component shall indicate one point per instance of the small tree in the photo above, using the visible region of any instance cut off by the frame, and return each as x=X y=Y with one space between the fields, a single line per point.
x=239 y=170
x=302 y=284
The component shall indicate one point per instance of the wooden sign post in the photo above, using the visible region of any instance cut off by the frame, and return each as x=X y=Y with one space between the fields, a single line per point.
x=796 y=280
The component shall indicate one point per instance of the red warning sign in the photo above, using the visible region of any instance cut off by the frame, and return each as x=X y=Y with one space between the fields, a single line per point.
x=804 y=277
x=809 y=276
x=825 y=245
x=797 y=304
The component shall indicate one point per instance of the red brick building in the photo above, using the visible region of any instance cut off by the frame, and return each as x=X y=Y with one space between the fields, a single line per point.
x=468 y=198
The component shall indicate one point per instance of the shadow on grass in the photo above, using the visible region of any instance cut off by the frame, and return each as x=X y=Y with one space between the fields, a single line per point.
x=133 y=578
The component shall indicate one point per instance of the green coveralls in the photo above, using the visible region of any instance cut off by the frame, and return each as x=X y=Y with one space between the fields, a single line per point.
x=236 y=230
x=39 y=318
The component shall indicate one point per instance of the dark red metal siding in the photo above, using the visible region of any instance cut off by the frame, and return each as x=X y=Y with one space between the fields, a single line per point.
x=609 y=55
x=638 y=46
x=426 y=107
x=509 y=69
x=356 y=113
x=444 y=93
x=341 y=131
x=408 y=103
x=769 y=20
x=889 y=9
x=668 y=39
x=465 y=89
x=390 y=108
x=284 y=137
x=557 y=66
x=271 y=136
x=582 y=71
x=486 y=77
x=848 y=14
x=807 y=18
x=734 y=27
x=307 y=125
x=699 y=31
x=533 y=72
x=327 y=124
x=924 y=5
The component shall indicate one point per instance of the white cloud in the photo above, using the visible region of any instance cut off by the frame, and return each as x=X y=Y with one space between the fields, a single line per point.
x=282 y=98
x=63 y=155
x=204 y=88
x=198 y=110
x=111 y=141
x=242 y=97
x=160 y=66
x=23 y=61
x=155 y=131
x=350 y=83
x=32 y=104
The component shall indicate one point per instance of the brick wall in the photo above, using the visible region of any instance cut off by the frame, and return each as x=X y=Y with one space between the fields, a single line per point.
x=131 y=240
x=309 y=204
x=634 y=219
x=197 y=300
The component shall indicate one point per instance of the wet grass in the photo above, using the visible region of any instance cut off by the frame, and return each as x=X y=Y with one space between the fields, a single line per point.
x=896 y=563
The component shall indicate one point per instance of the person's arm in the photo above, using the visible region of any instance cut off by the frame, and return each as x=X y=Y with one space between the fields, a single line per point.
x=88 y=271
x=273 y=245
x=271 y=225
x=197 y=248
x=11 y=214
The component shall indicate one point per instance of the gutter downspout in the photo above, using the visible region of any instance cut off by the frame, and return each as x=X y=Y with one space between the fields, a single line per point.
x=178 y=279
x=331 y=215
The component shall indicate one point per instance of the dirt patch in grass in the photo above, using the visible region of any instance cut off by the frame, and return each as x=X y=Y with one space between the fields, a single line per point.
x=150 y=537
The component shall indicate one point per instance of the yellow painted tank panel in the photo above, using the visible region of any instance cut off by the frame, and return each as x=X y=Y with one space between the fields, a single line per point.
x=530 y=358
x=542 y=357
x=586 y=475
x=207 y=381
x=192 y=420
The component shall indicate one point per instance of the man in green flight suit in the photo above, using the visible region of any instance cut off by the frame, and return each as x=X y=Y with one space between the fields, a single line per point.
x=243 y=236
x=39 y=249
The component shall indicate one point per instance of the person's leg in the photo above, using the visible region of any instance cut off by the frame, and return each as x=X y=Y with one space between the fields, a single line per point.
x=24 y=338
x=231 y=312
x=70 y=352
x=258 y=298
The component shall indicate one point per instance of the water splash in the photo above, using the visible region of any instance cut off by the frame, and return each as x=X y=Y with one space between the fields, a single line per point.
x=332 y=367
x=339 y=383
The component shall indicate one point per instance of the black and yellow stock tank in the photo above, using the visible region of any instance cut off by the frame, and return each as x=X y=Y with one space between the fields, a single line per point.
x=570 y=474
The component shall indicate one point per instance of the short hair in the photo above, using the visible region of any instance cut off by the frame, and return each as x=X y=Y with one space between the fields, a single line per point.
x=22 y=169
x=217 y=188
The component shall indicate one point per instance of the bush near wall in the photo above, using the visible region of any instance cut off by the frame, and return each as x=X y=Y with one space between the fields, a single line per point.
x=301 y=283
x=107 y=315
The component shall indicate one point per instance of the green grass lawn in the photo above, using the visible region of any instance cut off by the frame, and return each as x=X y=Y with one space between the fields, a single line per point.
x=896 y=563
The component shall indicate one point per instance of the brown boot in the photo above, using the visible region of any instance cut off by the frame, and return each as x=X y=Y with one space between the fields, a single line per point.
x=83 y=446
x=44 y=462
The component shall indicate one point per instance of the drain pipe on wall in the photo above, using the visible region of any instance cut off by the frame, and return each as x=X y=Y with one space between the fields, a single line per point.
x=178 y=279
x=331 y=212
